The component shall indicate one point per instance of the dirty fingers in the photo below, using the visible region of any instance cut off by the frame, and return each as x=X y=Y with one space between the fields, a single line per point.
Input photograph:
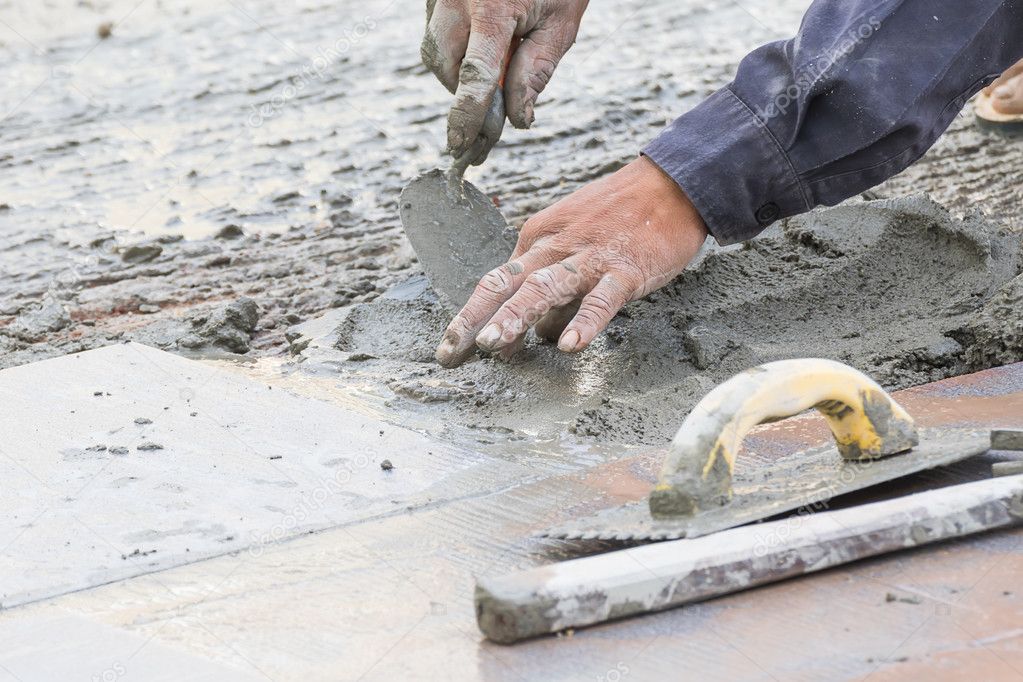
x=495 y=54
x=578 y=262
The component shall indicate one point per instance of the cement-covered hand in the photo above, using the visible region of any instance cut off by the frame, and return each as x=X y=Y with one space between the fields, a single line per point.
x=466 y=43
x=578 y=262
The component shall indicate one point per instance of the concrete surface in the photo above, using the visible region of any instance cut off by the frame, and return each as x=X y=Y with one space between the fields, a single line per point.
x=231 y=464
x=61 y=648
x=207 y=151
x=934 y=298
x=389 y=596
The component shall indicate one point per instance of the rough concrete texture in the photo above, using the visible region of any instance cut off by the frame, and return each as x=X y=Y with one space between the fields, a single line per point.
x=258 y=150
x=899 y=289
x=994 y=334
x=229 y=327
x=267 y=158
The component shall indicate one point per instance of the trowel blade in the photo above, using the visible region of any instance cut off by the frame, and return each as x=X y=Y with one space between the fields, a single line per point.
x=457 y=232
x=807 y=479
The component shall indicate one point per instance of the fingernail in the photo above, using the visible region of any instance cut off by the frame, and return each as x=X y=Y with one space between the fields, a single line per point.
x=444 y=351
x=489 y=337
x=1004 y=92
x=569 y=341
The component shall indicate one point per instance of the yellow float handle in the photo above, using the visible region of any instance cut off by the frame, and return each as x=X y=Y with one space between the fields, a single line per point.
x=865 y=421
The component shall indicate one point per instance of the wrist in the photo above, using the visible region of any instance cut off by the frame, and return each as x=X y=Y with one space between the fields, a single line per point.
x=668 y=190
x=670 y=199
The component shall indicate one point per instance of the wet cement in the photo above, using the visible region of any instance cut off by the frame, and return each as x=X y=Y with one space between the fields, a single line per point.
x=899 y=289
x=258 y=152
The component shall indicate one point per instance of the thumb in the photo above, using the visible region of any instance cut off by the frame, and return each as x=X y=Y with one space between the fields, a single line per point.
x=493 y=126
x=531 y=69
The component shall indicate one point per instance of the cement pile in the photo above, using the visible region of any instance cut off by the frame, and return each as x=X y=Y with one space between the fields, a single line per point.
x=898 y=289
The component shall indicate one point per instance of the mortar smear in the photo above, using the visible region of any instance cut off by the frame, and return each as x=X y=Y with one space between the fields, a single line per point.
x=898 y=289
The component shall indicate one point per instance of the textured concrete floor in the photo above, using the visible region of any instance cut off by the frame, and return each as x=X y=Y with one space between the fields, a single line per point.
x=149 y=137
x=155 y=135
x=385 y=595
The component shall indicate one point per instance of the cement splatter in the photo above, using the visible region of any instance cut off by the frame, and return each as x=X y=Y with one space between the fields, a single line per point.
x=899 y=289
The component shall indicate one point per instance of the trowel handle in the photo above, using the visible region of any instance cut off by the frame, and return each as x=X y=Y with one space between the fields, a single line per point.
x=865 y=422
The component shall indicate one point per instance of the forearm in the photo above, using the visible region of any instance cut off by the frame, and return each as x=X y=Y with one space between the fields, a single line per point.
x=864 y=89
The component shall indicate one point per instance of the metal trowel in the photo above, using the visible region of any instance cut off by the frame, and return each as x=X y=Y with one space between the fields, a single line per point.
x=700 y=491
x=457 y=232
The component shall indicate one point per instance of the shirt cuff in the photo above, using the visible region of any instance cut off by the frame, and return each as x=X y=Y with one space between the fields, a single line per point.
x=731 y=167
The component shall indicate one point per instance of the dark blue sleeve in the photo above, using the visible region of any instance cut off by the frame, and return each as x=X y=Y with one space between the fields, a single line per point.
x=861 y=92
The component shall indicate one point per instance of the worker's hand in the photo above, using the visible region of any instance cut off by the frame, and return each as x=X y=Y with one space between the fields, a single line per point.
x=578 y=262
x=466 y=44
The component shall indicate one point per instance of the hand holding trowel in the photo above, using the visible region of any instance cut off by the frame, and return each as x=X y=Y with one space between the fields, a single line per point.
x=457 y=232
x=575 y=263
